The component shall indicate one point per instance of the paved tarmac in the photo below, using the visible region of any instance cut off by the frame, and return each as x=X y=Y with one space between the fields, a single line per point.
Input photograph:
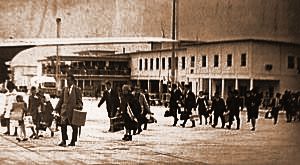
x=161 y=143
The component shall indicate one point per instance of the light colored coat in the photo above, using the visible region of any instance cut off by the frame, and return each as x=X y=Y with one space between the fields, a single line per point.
x=9 y=99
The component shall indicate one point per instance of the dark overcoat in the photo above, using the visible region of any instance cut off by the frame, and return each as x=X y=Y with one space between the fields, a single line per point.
x=68 y=102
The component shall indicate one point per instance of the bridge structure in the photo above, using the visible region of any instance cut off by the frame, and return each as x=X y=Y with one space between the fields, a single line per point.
x=11 y=47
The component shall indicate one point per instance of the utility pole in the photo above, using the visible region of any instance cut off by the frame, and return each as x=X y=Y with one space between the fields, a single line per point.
x=173 y=44
x=57 y=70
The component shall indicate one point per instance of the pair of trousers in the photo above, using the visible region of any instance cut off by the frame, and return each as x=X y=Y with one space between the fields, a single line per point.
x=65 y=135
x=237 y=117
x=216 y=117
x=274 y=113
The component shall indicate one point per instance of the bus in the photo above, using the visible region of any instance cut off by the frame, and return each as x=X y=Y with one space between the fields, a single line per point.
x=45 y=84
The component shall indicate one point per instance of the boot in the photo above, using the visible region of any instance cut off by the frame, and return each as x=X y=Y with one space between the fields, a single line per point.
x=193 y=123
x=145 y=126
x=129 y=137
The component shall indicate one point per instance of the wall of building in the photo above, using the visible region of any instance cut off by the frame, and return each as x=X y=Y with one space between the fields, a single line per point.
x=23 y=74
x=252 y=75
x=276 y=54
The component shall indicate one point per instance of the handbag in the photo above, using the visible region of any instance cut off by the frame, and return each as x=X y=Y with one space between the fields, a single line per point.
x=194 y=115
x=53 y=126
x=226 y=116
x=184 y=115
x=268 y=115
x=167 y=113
x=150 y=119
x=28 y=122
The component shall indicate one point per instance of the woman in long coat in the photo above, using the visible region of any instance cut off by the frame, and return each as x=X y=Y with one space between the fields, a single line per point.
x=34 y=110
x=131 y=111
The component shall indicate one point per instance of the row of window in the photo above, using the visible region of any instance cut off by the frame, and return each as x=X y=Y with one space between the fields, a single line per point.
x=243 y=62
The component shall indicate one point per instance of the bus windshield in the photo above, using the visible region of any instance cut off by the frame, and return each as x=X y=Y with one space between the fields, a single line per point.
x=49 y=84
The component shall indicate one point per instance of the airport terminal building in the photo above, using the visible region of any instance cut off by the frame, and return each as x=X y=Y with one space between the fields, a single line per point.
x=220 y=66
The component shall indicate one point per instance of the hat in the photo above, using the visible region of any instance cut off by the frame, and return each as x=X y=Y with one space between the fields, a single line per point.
x=108 y=83
x=125 y=87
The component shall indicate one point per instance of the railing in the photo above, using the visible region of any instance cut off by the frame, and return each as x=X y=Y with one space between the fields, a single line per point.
x=96 y=72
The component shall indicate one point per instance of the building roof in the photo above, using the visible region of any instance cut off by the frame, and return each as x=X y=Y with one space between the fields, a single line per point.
x=190 y=43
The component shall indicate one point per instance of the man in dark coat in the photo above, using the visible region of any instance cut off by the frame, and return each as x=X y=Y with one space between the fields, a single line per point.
x=234 y=109
x=218 y=107
x=254 y=102
x=112 y=100
x=70 y=99
x=202 y=104
x=174 y=101
x=189 y=104
x=276 y=106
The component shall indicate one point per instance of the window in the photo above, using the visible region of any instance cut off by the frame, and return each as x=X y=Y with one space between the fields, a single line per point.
x=176 y=62
x=151 y=64
x=157 y=63
x=291 y=62
x=141 y=64
x=298 y=64
x=163 y=65
x=169 y=63
x=146 y=64
x=216 y=61
x=204 y=61
x=193 y=61
x=243 y=59
x=229 y=60
x=183 y=62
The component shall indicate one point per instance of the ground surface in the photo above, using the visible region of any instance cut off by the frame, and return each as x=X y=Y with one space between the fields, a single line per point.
x=161 y=143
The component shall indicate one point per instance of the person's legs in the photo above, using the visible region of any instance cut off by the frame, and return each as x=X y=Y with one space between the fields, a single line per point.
x=216 y=117
x=184 y=122
x=193 y=123
x=74 y=135
x=238 y=120
x=253 y=122
x=8 y=126
x=230 y=120
x=33 y=133
x=275 y=115
x=64 y=135
x=174 y=114
x=145 y=125
x=222 y=120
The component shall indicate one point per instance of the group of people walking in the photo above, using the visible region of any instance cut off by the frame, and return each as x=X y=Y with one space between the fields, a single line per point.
x=39 y=109
x=185 y=103
x=132 y=106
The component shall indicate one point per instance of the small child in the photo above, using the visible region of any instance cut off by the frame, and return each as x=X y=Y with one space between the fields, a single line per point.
x=21 y=128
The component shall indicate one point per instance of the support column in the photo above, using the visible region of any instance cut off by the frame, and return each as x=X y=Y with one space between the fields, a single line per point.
x=83 y=86
x=236 y=84
x=138 y=83
x=209 y=88
x=148 y=85
x=251 y=83
x=201 y=84
x=222 y=88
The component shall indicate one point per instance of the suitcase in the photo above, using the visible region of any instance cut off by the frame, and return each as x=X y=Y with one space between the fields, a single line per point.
x=17 y=111
x=79 y=118
x=3 y=121
x=116 y=124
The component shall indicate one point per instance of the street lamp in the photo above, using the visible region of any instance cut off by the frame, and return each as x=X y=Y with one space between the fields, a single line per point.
x=57 y=70
x=173 y=44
